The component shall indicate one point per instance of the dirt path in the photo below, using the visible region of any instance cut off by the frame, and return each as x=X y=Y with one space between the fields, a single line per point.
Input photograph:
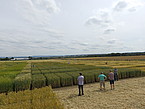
x=128 y=94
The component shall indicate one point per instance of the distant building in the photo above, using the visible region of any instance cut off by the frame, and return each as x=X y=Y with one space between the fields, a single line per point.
x=20 y=59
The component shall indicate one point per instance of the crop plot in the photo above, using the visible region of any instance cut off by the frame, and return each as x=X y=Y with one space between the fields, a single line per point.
x=23 y=75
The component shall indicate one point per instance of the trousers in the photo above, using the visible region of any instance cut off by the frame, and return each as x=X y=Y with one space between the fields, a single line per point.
x=81 y=90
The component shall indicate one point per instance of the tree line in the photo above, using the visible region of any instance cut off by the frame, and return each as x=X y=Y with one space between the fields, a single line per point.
x=78 y=56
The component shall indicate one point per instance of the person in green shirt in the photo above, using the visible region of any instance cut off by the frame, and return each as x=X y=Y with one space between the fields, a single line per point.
x=102 y=79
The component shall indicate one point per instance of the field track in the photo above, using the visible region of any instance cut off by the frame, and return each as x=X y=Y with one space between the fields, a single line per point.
x=128 y=94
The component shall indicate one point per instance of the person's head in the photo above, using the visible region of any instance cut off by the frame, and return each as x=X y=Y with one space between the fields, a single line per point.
x=102 y=72
x=110 y=70
x=80 y=73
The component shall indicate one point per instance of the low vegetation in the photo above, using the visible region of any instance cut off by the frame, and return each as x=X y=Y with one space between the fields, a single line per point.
x=43 y=98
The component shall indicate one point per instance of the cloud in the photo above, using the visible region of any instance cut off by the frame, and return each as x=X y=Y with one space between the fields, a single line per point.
x=50 y=32
x=45 y=5
x=112 y=41
x=129 y=5
x=98 y=22
x=78 y=43
x=105 y=18
x=120 y=6
x=102 y=19
x=132 y=9
x=109 y=30
x=36 y=11
x=26 y=40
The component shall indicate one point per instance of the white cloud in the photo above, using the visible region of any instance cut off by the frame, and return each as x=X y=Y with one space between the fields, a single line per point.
x=36 y=11
x=45 y=5
x=105 y=18
x=40 y=27
x=102 y=19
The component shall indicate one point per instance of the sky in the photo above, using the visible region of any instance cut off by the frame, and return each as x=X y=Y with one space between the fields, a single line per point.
x=70 y=27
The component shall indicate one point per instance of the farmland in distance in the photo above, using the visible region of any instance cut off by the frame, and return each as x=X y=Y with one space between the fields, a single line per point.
x=31 y=74
x=18 y=76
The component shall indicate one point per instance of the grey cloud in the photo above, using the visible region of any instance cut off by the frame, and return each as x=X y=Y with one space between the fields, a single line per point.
x=128 y=5
x=102 y=18
x=84 y=44
x=98 y=22
x=30 y=33
x=50 y=32
x=108 y=31
x=120 y=6
x=49 y=47
x=37 y=41
x=112 y=41
x=85 y=50
x=25 y=38
x=132 y=9
x=71 y=48
x=78 y=43
x=93 y=20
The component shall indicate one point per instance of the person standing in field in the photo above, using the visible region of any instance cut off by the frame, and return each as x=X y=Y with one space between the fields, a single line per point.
x=80 y=84
x=111 y=78
x=115 y=74
x=102 y=79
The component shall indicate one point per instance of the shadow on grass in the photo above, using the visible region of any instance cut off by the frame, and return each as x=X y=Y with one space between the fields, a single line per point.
x=98 y=90
x=72 y=96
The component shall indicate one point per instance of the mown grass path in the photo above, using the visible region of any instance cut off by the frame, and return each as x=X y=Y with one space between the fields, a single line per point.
x=128 y=94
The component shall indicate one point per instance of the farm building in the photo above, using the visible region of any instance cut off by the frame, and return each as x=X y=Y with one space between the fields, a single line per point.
x=20 y=59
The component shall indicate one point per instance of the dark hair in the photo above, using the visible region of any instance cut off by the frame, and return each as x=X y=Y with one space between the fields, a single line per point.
x=80 y=73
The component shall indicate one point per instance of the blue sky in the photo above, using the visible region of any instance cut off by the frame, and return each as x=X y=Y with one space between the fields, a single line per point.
x=63 y=27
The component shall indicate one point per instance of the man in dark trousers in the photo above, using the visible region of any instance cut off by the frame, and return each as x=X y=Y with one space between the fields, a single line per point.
x=80 y=84
x=116 y=74
x=111 y=78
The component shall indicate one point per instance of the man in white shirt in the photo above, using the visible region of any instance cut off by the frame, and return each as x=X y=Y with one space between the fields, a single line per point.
x=80 y=84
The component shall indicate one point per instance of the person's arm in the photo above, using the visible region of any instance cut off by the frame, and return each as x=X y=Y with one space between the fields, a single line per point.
x=108 y=76
x=98 y=77
x=78 y=78
x=105 y=77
